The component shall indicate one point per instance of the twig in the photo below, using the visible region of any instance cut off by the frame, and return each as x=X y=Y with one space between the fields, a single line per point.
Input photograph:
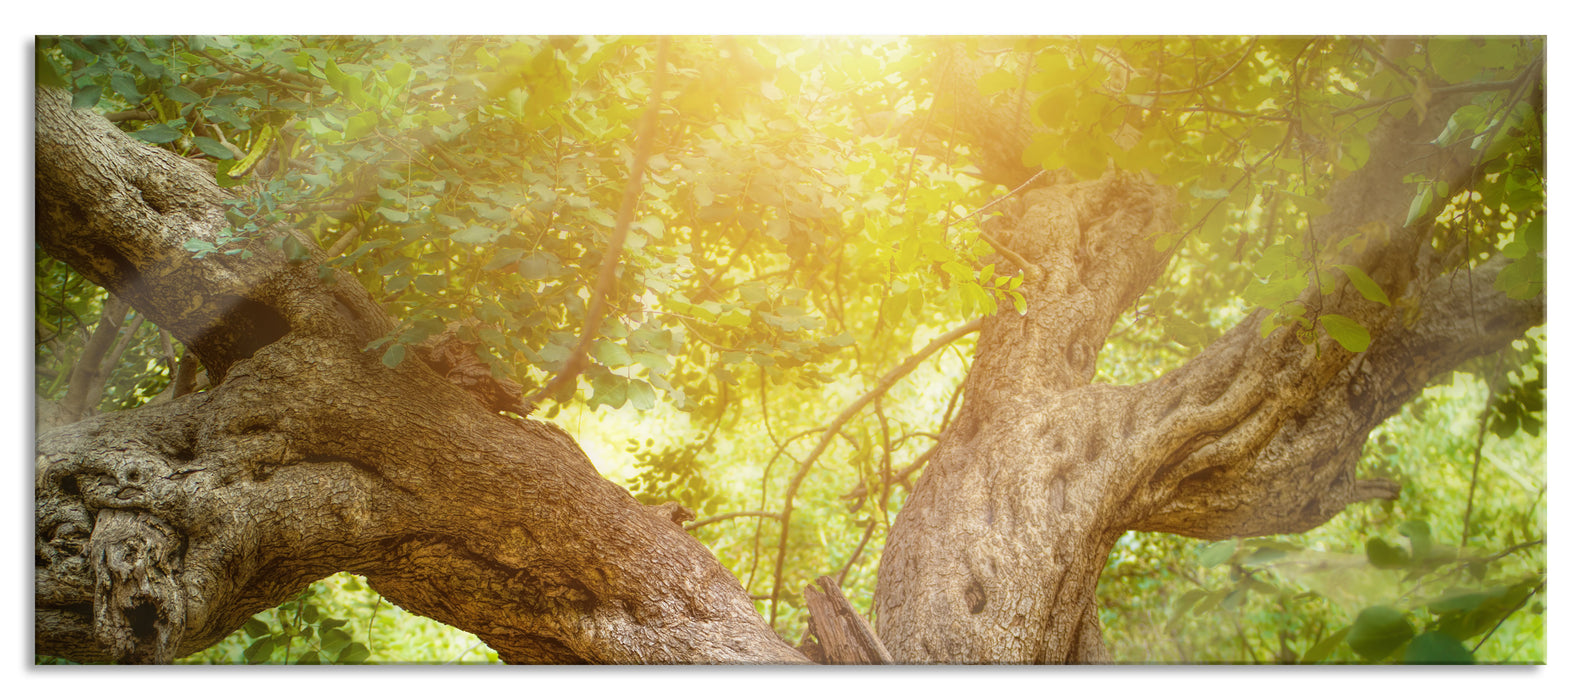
x=96 y=392
x=997 y=200
x=840 y=579
x=1541 y=583
x=1251 y=44
x=1477 y=458
x=728 y=516
x=464 y=654
x=851 y=410
x=612 y=255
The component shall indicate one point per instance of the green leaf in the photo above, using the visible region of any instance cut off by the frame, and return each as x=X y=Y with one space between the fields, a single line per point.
x=354 y=653
x=1422 y=539
x=394 y=355
x=333 y=640
x=255 y=627
x=1379 y=631
x=1264 y=555
x=1312 y=206
x=1365 y=285
x=608 y=390
x=213 y=148
x=86 y=97
x=182 y=94
x=361 y=125
x=294 y=249
x=335 y=77
x=839 y=341
x=429 y=284
x=127 y=87
x=1420 y=204
x=1266 y=136
x=1320 y=651
x=609 y=354
x=642 y=395
x=1458 y=603
x=259 y=652
x=1347 y=332
x=1216 y=554
x=1385 y=555
x=475 y=235
x=309 y=658
x=157 y=133
x=1436 y=648
x=398 y=74
x=1186 y=601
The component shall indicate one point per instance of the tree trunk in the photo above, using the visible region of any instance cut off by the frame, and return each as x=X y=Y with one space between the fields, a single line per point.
x=161 y=530
x=996 y=554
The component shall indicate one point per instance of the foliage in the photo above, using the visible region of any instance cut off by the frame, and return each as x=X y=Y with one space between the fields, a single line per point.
x=1344 y=591
x=341 y=620
x=809 y=217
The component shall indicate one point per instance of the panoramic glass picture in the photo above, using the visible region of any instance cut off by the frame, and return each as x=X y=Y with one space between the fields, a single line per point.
x=790 y=350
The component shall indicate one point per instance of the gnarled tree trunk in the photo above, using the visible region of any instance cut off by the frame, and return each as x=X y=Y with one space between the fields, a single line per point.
x=161 y=530
x=996 y=555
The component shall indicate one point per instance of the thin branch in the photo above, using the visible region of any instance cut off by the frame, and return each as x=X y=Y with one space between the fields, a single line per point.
x=128 y=115
x=1477 y=86
x=612 y=255
x=862 y=490
x=1251 y=44
x=1541 y=583
x=840 y=579
x=87 y=370
x=1477 y=459
x=1385 y=60
x=254 y=74
x=728 y=516
x=997 y=200
x=96 y=393
x=851 y=410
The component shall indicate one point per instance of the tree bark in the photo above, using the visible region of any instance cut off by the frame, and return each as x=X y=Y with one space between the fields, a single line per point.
x=162 y=529
x=996 y=554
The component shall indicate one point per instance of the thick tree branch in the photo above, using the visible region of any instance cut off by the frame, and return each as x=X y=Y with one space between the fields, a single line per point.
x=310 y=456
x=1260 y=435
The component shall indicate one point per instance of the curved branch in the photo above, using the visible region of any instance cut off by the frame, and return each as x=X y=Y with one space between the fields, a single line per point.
x=612 y=254
x=1259 y=435
x=309 y=456
x=879 y=389
x=729 y=516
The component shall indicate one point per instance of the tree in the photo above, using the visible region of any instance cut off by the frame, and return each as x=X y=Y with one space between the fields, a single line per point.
x=371 y=246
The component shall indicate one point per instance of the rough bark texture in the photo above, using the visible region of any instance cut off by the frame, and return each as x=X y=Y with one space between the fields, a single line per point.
x=997 y=552
x=163 y=529
x=838 y=633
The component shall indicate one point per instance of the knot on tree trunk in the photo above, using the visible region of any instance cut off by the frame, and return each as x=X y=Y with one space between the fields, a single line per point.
x=454 y=356
x=139 y=603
